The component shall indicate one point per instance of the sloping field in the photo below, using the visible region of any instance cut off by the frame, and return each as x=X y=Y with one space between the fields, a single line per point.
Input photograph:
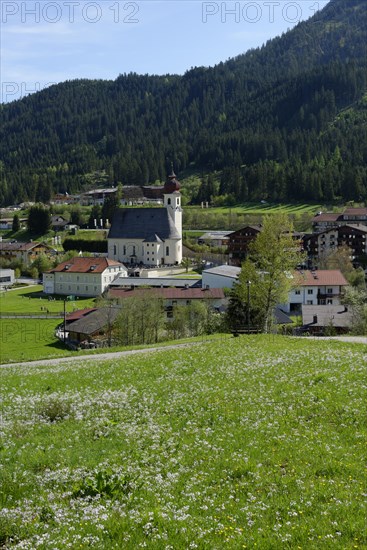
x=262 y=208
x=255 y=442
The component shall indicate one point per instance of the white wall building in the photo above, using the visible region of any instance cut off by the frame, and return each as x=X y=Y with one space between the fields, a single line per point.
x=82 y=276
x=6 y=277
x=223 y=276
x=321 y=287
x=149 y=236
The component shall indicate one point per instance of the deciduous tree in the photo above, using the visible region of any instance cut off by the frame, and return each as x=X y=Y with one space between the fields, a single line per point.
x=268 y=271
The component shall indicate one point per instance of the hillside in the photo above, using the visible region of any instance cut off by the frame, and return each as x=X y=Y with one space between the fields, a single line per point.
x=271 y=118
x=256 y=442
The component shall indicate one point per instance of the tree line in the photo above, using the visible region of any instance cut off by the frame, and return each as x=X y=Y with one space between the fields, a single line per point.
x=289 y=118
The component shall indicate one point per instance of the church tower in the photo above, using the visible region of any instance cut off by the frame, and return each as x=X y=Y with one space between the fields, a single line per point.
x=172 y=200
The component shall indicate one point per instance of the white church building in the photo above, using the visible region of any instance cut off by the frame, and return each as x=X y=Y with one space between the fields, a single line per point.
x=149 y=236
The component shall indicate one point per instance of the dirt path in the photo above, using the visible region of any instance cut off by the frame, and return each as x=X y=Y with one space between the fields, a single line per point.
x=95 y=357
x=351 y=339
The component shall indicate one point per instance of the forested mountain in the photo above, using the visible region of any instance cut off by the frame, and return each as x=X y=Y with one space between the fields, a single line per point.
x=285 y=121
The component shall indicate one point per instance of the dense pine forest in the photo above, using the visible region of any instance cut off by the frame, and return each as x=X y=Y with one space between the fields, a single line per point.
x=287 y=121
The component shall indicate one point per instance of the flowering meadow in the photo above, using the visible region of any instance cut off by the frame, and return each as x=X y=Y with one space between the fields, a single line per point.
x=251 y=442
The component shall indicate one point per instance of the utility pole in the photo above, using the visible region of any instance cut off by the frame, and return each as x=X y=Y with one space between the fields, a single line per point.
x=64 y=320
x=248 y=306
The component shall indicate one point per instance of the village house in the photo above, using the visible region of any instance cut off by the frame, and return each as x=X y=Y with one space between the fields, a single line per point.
x=7 y=277
x=321 y=287
x=58 y=223
x=172 y=297
x=223 y=276
x=24 y=252
x=96 y=196
x=149 y=236
x=90 y=325
x=239 y=241
x=215 y=238
x=319 y=319
x=6 y=224
x=64 y=199
x=82 y=276
x=328 y=220
x=321 y=244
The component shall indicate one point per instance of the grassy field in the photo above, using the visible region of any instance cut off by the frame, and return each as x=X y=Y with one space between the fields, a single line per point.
x=29 y=339
x=256 y=444
x=262 y=209
x=32 y=300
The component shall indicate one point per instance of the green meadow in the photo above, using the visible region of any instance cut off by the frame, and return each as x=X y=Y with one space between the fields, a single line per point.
x=265 y=208
x=252 y=442
x=23 y=339
x=32 y=300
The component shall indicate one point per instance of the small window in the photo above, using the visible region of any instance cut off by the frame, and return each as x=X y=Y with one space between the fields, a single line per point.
x=329 y=301
x=329 y=291
x=310 y=291
x=309 y=302
x=114 y=250
x=297 y=292
x=167 y=250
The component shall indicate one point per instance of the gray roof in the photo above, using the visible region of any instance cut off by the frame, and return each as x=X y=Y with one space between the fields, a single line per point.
x=153 y=239
x=324 y=316
x=215 y=234
x=142 y=223
x=94 y=321
x=281 y=318
x=154 y=282
x=225 y=271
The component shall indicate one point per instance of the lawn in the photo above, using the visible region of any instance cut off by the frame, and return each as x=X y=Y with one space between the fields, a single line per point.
x=256 y=444
x=24 y=339
x=32 y=300
x=29 y=339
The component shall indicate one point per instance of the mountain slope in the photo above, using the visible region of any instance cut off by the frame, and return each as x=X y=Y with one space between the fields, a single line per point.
x=273 y=107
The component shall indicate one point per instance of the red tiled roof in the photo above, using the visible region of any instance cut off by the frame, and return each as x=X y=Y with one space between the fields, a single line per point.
x=326 y=217
x=321 y=277
x=169 y=293
x=355 y=211
x=85 y=265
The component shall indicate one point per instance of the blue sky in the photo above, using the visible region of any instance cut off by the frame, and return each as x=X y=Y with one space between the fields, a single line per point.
x=45 y=41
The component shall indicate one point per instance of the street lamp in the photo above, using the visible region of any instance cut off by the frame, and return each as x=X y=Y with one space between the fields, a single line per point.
x=65 y=300
x=248 y=306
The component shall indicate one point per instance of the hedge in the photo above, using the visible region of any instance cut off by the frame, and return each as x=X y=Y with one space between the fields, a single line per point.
x=84 y=245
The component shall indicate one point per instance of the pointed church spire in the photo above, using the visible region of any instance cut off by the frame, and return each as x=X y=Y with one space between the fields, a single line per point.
x=172 y=175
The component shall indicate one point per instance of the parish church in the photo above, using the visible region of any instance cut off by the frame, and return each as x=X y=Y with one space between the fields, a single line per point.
x=149 y=236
